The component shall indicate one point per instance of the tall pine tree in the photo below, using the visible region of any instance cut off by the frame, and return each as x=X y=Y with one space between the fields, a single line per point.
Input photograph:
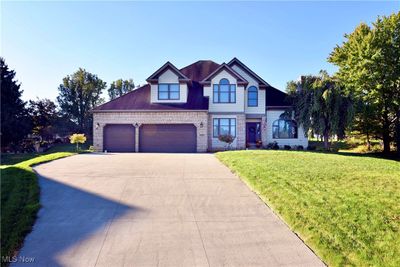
x=15 y=122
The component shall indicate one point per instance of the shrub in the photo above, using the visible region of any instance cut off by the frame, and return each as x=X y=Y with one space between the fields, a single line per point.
x=259 y=143
x=273 y=145
x=77 y=139
x=299 y=147
x=311 y=148
x=287 y=147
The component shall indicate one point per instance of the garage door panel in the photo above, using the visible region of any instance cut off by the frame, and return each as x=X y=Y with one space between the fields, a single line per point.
x=119 y=138
x=167 y=138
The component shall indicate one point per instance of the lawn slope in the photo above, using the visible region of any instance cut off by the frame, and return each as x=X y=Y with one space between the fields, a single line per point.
x=346 y=208
x=20 y=201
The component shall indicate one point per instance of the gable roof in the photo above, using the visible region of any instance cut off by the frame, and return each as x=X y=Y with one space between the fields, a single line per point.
x=200 y=69
x=262 y=83
x=194 y=74
x=139 y=99
x=168 y=65
x=223 y=66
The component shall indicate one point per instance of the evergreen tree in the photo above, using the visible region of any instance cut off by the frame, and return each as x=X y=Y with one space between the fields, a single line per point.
x=15 y=123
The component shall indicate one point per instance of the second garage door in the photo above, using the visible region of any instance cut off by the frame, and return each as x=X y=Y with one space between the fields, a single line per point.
x=167 y=138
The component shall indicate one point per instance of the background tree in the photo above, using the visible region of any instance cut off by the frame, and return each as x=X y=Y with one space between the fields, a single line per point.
x=368 y=64
x=320 y=105
x=15 y=123
x=43 y=113
x=120 y=87
x=78 y=95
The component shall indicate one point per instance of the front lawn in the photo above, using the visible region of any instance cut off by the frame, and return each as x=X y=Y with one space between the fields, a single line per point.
x=14 y=158
x=20 y=201
x=346 y=208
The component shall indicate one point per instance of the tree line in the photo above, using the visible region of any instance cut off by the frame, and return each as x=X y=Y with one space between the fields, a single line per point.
x=363 y=95
x=44 y=119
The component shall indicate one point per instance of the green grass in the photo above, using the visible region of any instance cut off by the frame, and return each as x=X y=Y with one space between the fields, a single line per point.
x=10 y=159
x=346 y=208
x=20 y=201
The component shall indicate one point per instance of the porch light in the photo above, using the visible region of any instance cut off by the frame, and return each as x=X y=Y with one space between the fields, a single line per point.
x=201 y=124
x=97 y=126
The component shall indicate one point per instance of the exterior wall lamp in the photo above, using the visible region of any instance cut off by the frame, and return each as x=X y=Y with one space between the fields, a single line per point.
x=201 y=124
x=97 y=126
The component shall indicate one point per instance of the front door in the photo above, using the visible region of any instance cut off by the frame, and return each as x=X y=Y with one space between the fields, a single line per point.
x=253 y=132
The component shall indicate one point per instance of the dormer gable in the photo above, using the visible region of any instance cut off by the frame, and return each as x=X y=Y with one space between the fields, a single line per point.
x=236 y=62
x=167 y=67
x=168 y=85
x=239 y=79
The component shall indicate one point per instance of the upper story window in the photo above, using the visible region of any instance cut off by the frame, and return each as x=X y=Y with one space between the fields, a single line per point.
x=252 y=96
x=168 y=91
x=284 y=129
x=224 y=92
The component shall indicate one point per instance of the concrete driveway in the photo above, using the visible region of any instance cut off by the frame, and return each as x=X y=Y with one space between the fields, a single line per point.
x=155 y=210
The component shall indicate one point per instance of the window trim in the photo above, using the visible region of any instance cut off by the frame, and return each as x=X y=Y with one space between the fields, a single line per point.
x=168 y=91
x=218 y=91
x=215 y=135
x=248 y=94
x=296 y=136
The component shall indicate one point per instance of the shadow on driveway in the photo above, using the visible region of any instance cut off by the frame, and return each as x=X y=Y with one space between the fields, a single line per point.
x=71 y=226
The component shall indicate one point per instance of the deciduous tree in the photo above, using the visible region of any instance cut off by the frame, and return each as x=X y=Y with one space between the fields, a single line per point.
x=320 y=105
x=120 y=87
x=78 y=95
x=369 y=66
x=43 y=113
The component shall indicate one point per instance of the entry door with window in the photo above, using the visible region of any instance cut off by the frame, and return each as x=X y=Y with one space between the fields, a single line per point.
x=253 y=132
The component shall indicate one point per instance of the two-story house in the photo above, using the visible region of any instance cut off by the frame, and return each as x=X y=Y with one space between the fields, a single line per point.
x=185 y=110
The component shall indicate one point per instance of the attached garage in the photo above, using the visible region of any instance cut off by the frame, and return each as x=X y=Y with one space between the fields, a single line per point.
x=174 y=138
x=119 y=138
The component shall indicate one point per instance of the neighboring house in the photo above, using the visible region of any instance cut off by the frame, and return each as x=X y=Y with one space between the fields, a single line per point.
x=185 y=110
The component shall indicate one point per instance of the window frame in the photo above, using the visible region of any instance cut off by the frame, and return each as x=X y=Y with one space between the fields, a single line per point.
x=230 y=125
x=248 y=96
x=276 y=124
x=231 y=91
x=168 y=91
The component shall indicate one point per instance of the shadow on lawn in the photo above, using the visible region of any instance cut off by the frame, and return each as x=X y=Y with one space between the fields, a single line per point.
x=379 y=155
x=71 y=225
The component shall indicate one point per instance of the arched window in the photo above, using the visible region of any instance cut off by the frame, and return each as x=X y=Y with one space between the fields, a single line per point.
x=284 y=129
x=252 y=96
x=224 y=81
x=224 y=92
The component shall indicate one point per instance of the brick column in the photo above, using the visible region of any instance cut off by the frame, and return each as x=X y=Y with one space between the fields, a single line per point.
x=137 y=126
x=241 y=131
x=264 y=130
x=98 y=129
x=202 y=136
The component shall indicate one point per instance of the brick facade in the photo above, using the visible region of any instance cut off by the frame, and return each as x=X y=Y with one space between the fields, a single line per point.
x=197 y=118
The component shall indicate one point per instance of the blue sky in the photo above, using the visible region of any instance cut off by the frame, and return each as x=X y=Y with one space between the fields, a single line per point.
x=45 y=41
